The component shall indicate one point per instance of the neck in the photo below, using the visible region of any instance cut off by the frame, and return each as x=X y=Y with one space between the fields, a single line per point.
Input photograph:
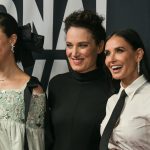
x=126 y=82
x=7 y=71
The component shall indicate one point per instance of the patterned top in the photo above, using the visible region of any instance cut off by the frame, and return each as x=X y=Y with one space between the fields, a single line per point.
x=12 y=120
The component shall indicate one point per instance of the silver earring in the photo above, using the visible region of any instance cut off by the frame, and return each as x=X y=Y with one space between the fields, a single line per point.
x=12 y=48
x=138 y=67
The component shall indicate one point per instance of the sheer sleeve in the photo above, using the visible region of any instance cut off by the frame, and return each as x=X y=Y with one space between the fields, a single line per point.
x=35 y=122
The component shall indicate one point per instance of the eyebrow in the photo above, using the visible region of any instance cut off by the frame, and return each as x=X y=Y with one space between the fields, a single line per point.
x=120 y=47
x=81 y=42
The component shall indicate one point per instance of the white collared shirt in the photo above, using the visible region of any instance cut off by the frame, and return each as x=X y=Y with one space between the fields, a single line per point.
x=132 y=131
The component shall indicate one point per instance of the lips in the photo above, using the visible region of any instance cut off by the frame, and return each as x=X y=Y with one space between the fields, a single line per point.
x=77 y=61
x=116 y=68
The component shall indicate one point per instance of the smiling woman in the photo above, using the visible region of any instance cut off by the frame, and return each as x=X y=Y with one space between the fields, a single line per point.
x=78 y=98
x=82 y=50
x=19 y=129
x=126 y=60
x=122 y=60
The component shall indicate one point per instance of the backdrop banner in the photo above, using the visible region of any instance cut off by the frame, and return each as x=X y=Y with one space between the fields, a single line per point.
x=46 y=18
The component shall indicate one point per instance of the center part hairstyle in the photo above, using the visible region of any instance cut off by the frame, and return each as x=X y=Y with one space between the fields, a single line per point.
x=26 y=40
x=9 y=26
x=134 y=39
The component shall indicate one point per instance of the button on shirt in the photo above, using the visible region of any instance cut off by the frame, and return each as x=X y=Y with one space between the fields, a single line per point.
x=132 y=130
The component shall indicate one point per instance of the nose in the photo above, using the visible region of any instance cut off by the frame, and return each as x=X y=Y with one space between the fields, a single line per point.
x=111 y=58
x=75 y=52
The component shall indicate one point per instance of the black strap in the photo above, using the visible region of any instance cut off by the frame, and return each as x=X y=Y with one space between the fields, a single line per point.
x=112 y=121
x=33 y=82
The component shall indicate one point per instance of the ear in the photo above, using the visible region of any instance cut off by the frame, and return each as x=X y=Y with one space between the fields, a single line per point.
x=13 y=39
x=100 y=47
x=139 y=54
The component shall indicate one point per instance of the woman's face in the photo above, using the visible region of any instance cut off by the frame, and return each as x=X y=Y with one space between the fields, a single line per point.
x=81 y=49
x=122 y=60
x=4 y=43
x=5 y=46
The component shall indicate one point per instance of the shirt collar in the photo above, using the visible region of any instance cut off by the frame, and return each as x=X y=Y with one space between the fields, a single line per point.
x=134 y=86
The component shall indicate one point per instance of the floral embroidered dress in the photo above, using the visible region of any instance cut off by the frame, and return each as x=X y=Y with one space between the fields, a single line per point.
x=12 y=120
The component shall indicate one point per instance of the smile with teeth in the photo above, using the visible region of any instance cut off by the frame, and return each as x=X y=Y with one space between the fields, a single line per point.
x=117 y=67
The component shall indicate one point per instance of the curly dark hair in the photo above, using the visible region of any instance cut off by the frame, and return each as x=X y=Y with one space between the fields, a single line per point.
x=89 y=20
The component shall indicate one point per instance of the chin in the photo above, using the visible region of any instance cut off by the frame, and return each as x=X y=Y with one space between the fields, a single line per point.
x=78 y=70
x=117 y=77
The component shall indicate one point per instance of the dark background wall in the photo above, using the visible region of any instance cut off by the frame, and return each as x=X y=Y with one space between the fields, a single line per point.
x=119 y=14
x=130 y=14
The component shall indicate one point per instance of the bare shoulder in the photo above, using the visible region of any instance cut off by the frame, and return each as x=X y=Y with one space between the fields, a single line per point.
x=25 y=78
x=38 y=90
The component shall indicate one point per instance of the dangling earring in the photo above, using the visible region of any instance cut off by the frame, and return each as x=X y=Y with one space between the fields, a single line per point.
x=138 y=67
x=12 y=48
